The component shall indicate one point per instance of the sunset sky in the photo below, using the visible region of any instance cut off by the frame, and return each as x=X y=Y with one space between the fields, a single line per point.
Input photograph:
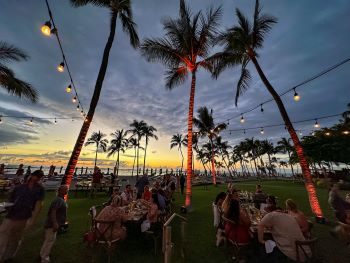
x=309 y=37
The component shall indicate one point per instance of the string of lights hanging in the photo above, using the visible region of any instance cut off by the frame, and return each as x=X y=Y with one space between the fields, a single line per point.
x=293 y=89
x=262 y=131
x=50 y=28
x=32 y=119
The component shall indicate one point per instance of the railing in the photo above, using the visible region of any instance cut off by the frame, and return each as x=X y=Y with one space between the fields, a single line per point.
x=167 y=243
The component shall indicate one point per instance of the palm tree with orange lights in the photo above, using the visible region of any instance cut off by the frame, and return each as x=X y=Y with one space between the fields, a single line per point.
x=118 y=9
x=184 y=50
x=241 y=44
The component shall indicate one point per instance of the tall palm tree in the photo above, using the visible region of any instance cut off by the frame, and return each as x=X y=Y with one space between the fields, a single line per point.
x=97 y=138
x=241 y=44
x=8 y=78
x=118 y=144
x=149 y=131
x=178 y=141
x=133 y=144
x=118 y=9
x=223 y=147
x=184 y=50
x=268 y=149
x=207 y=128
x=284 y=146
x=138 y=131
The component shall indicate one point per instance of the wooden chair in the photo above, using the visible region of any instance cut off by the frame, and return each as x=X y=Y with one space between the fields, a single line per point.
x=156 y=231
x=237 y=247
x=302 y=248
x=105 y=238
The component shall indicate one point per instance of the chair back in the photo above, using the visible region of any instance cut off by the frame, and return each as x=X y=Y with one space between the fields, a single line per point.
x=306 y=250
x=104 y=235
x=93 y=212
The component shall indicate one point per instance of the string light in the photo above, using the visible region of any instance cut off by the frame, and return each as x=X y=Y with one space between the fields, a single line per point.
x=328 y=133
x=55 y=121
x=242 y=119
x=300 y=133
x=31 y=121
x=74 y=99
x=262 y=130
x=78 y=107
x=261 y=108
x=316 y=125
x=296 y=95
x=0 y=119
x=346 y=132
x=69 y=88
x=46 y=28
x=244 y=131
x=81 y=112
x=60 y=67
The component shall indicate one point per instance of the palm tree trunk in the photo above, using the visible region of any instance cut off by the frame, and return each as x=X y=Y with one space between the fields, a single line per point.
x=137 y=159
x=189 y=142
x=213 y=172
x=96 y=155
x=291 y=166
x=67 y=178
x=144 y=157
x=310 y=187
x=117 y=164
x=182 y=160
x=133 y=165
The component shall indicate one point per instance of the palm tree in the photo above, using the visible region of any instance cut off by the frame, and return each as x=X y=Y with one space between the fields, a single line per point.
x=346 y=115
x=101 y=144
x=118 y=144
x=269 y=149
x=184 y=50
x=8 y=79
x=241 y=44
x=117 y=8
x=207 y=128
x=178 y=141
x=138 y=131
x=148 y=133
x=132 y=143
x=223 y=147
x=284 y=146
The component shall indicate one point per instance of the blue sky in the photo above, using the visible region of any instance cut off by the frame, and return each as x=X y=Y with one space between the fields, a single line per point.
x=309 y=37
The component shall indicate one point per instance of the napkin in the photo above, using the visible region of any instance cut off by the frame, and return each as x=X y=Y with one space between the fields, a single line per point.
x=269 y=246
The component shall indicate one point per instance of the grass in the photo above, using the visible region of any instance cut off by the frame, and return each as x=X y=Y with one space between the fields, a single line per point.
x=200 y=234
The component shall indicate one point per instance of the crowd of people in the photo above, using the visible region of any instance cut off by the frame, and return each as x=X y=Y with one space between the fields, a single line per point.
x=285 y=226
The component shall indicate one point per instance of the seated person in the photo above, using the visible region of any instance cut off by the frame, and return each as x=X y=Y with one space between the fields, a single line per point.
x=238 y=230
x=259 y=197
x=337 y=203
x=231 y=188
x=113 y=212
x=114 y=194
x=146 y=195
x=271 y=205
x=285 y=231
x=127 y=195
x=292 y=210
x=153 y=210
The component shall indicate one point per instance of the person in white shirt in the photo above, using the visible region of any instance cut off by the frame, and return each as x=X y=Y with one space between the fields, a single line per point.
x=127 y=195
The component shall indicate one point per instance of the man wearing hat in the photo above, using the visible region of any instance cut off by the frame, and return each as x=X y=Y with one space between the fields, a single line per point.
x=27 y=199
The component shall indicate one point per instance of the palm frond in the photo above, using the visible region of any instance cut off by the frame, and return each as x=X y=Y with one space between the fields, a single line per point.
x=175 y=77
x=129 y=26
x=10 y=52
x=243 y=82
x=100 y=3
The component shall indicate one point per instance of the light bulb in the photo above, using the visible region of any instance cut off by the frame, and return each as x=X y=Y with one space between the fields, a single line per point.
x=261 y=108
x=316 y=125
x=55 y=121
x=328 y=133
x=46 y=28
x=74 y=99
x=296 y=96
x=262 y=131
x=81 y=112
x=69 y=88
x=77 y=107
x=346 y=132
x=242 y=119
x=300 y=133
x=60 y=67
x=31 y=121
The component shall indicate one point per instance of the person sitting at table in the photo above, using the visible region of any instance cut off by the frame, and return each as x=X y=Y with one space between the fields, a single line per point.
x=237 y=229
x=140 y=185
x=292 y=209
x=231 y=188
x=259 y=197
x=218 y=223
x=147 y=194
x=153 y=210
x=96 y=180
x=285 y=231
x=338 y=204
x=113 y=212
x=271 y=204
x=127 y=195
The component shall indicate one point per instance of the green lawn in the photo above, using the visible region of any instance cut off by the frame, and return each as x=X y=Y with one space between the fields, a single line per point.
x=200 y=234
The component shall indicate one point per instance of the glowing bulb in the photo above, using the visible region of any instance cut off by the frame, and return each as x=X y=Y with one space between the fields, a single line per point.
x=31 y=121
x=60 y=67
x=55 y=121
x=81 y=112
x=69 y=88
x=346 y=132
x=46 y=28
x=86 y=119
x=328 y=133
x=242 y=119
x=74 y=99
x=316 y=125
x=262 y=131
x=300 y=133
x=296 y=96
x=78 y=107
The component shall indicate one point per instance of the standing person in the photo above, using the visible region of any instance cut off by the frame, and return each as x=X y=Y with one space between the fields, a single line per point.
x=20 y=171
x=27 y=199
x=56 y=217
x=140 y=185
x=28 y=173
x=96 y=180
x=182 y=183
